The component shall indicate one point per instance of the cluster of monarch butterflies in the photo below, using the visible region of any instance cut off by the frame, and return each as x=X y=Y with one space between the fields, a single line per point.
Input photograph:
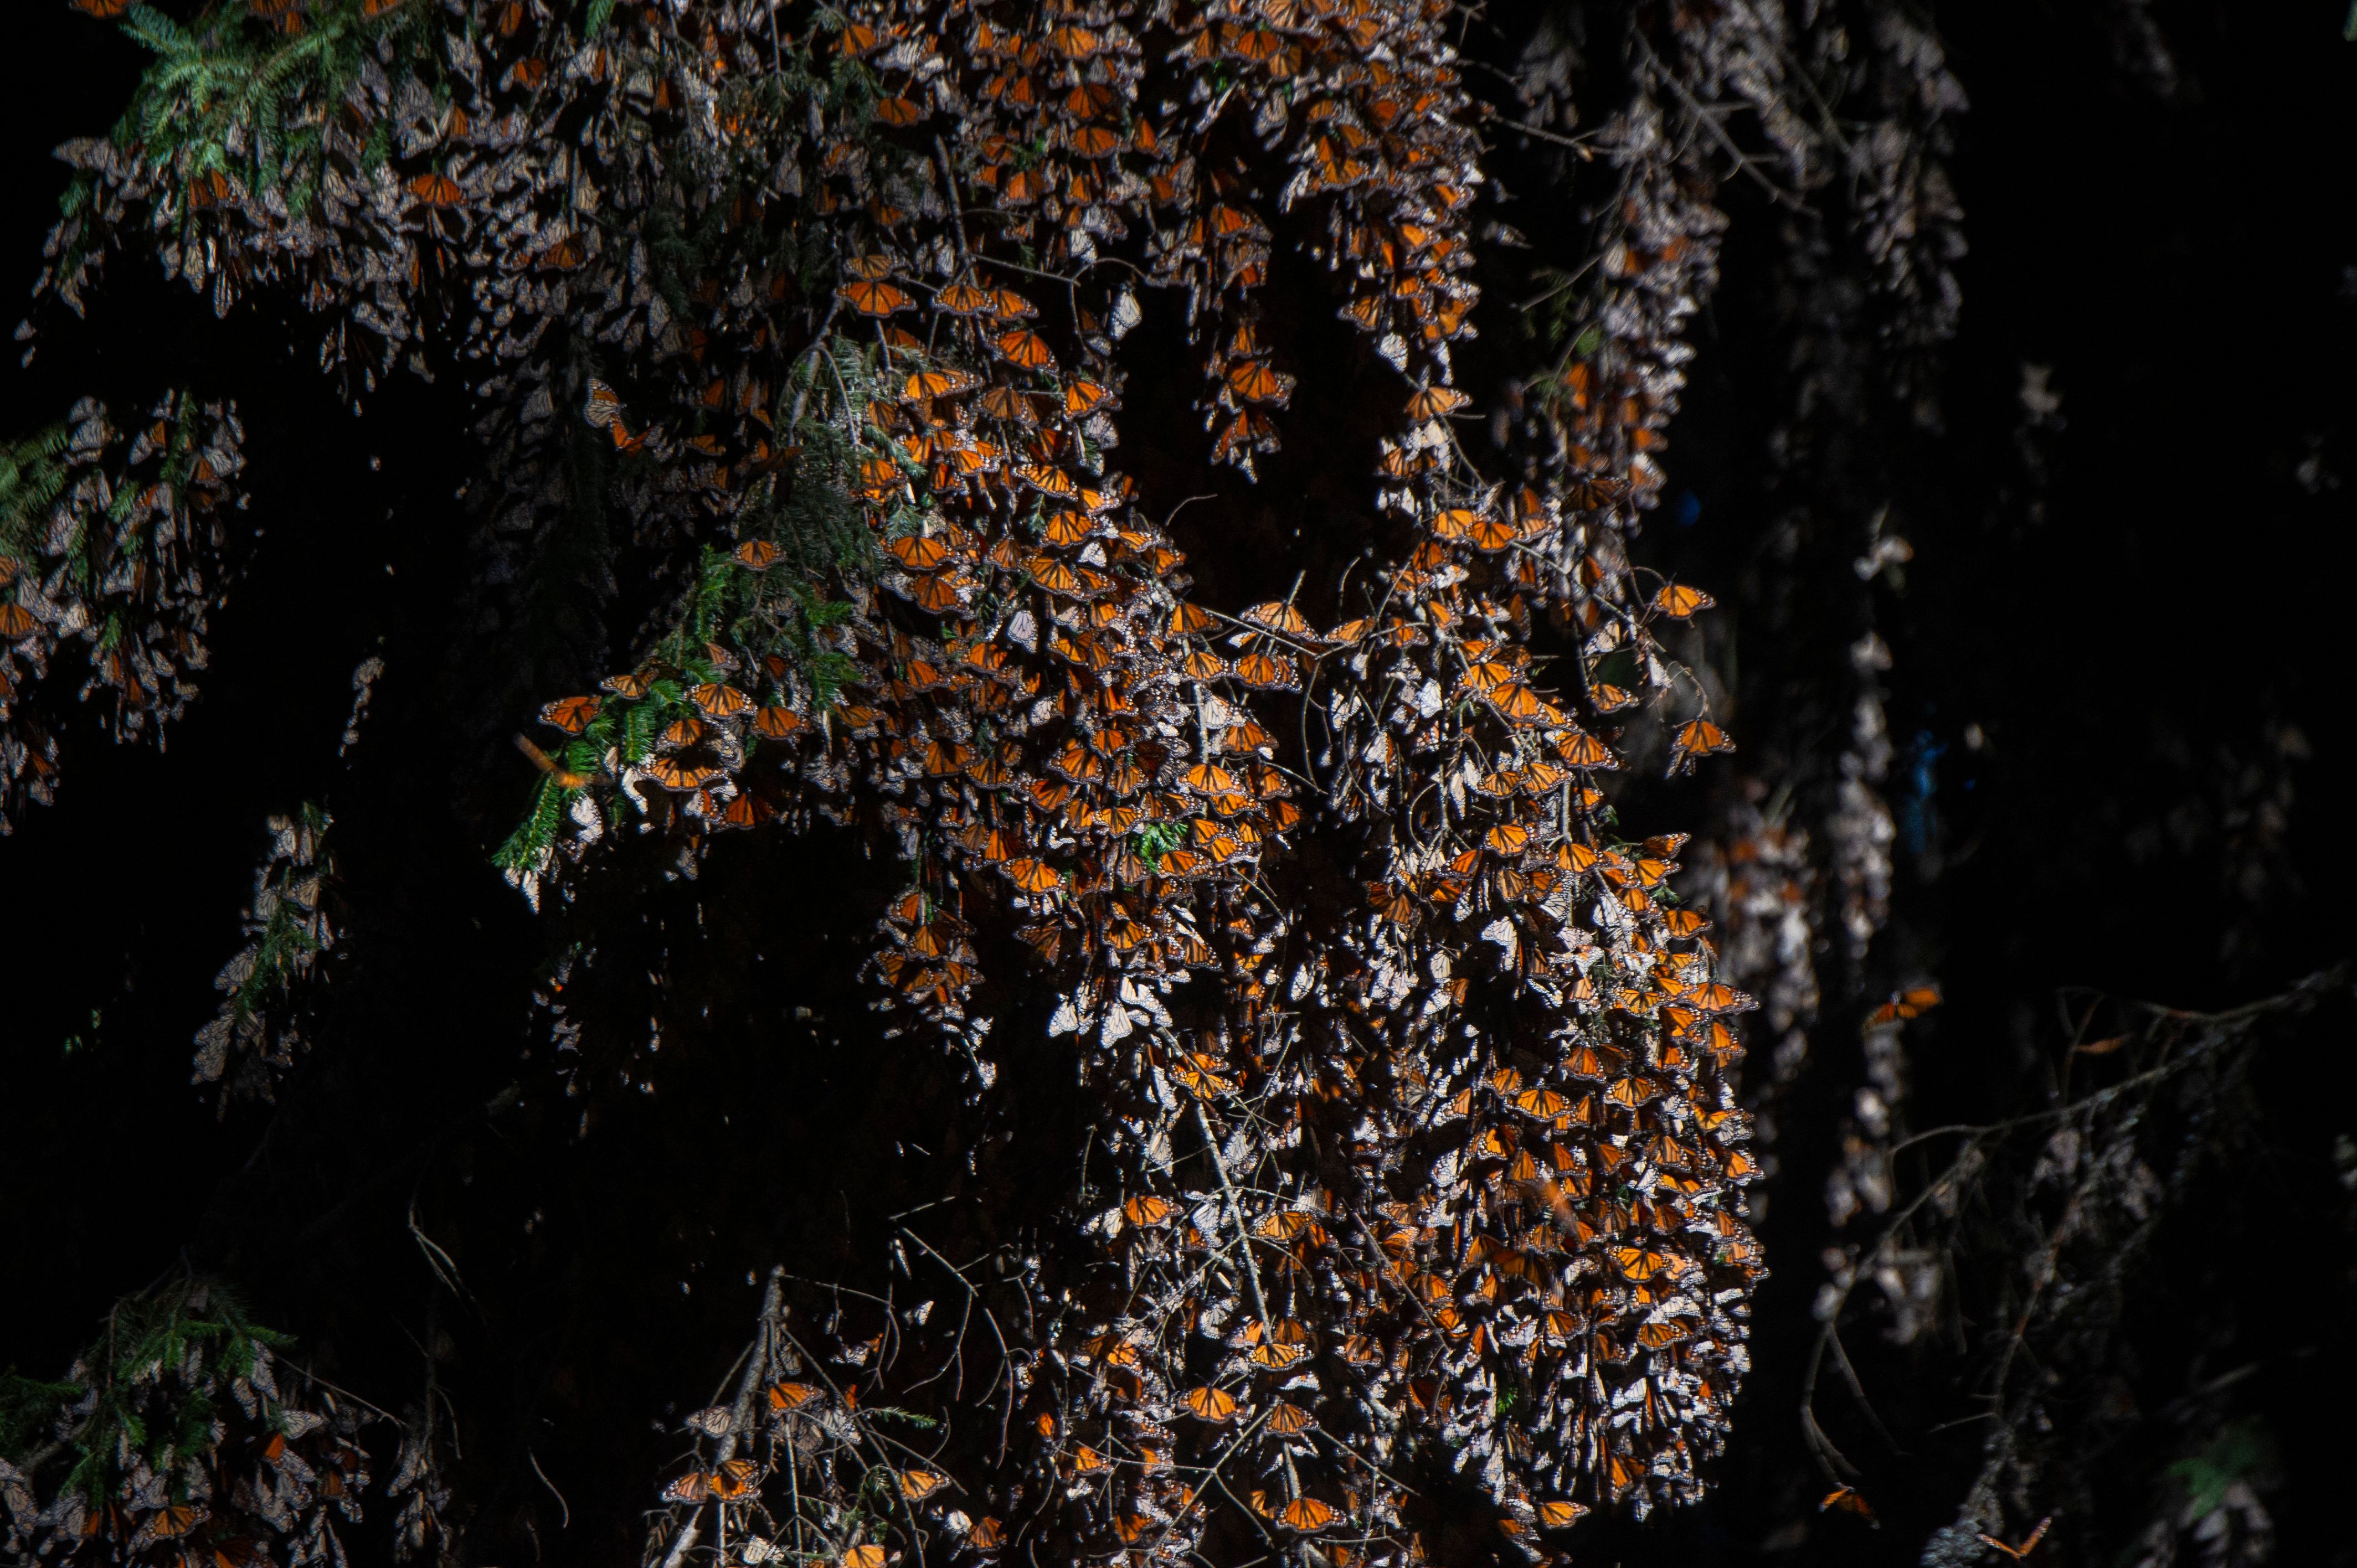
x=188 y=1451
x=1758 y=881
x=289 y=928
x=1446 y=1177
x=112 y=540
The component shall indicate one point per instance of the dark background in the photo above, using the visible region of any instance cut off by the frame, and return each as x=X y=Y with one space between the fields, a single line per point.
x=2137 y=609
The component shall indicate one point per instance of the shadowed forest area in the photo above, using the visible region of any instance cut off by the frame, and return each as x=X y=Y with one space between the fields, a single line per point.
x=1226 y=781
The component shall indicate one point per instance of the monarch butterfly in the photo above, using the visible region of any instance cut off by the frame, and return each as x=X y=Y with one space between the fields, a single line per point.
x=1211 y=1404
x=1507 y=838
x=1677 y=601
x=1637 y=1263
x=900 y=111
x=1909 y=1004
x=874 y=268
x=682 y=777
x=1033 y=876
x=1285 y=1420
x=565 y=778
x=1092 y=141
x=963 y=299
x=790 y=1396
x=1280 y=618
x=1086 y=1460
x=869 y=298
x=757 y=554
x=1054 y=575
x=1054 y=481
x=917 y=552
x=176 y=1519
x=685 y=730
x=871 y=1555
x=1083 y=397
x=1701 y=738
x=1453 y=524
x=1254 y=382
x=1685 y=922
x=729 y=1482
x=987 y=1535
x=1277 y=1356
x=1432 y=403
x=718 y=701
x=1267 y=672
x=937 y=593
x=916 y=1485
x=435 y=189
x=713 y=1421
x=1543 y=1104
x=1249 y=431
x=1306 y=1514
x=2024 y=1550
x=926 y=385
x=1021 y=346
x=1660 y=1335
x=1075 y=43
x=104 y=8
x=1493 y=533
x=1486 y=675
x=571 y=715
x=1517 y=702
x=774 y=723
x=1146 y=1209
x=1227 y=223
x=1847 y=1499
x=234 y=1553
x=1560 y=1514
x=1539 y=778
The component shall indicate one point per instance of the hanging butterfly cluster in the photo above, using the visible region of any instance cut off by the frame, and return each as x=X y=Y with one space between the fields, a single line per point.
x=259 y=1031
x=176 y=1445
x=1765 y=891
x=113 y=541
x=1467 y=1202
x=1440 y=1175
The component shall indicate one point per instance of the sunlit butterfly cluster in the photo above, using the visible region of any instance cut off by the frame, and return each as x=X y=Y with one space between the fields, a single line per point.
x=1441 y=1174
x=112 y=540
